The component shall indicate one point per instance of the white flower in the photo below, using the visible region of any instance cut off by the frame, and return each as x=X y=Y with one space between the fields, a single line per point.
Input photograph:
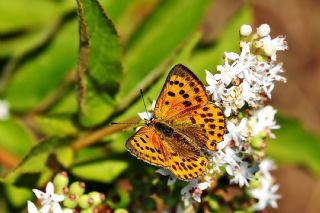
x=146 y=116
x=241 y=174
x=263 y=121
x=266 y=166
x=214 y=88
x=227 y=138
x=248 y=94
x=224 y=157
x=266 y=192
x=4 y=110
x=229 y=156
x=238 y=133
x=194 y=190
x=217 y=161
x=266 y=195
x=165 y=172
x=49 y=200
x=271 y=46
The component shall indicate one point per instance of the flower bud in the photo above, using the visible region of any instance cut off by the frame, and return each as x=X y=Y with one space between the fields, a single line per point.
x=89 y=210
x=77 y=188
x=85 y=201
x=245 y=30
x=61 y=181
x=97 y=197
x=71 y=201
x=120 y=211
x=263 y=30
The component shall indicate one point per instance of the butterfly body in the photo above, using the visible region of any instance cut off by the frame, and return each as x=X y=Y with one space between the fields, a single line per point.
x=184 y=127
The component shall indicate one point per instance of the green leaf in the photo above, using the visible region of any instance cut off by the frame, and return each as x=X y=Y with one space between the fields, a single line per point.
x=35 y=161
x=68 y=105
x=36 y=78
x=18 y=196
x=295 y=145
x=99 y=65
x=165 y=30
x=104 y=171
x=15 y=138
x=55 y=125
x=65 y=156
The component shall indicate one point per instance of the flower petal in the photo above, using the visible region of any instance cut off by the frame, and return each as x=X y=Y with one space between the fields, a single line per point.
x=39 y=194
x=49 y=188
x=56 y=208
x=32 y=208
x=203 y=185
x=57 y=198
x=45 y=208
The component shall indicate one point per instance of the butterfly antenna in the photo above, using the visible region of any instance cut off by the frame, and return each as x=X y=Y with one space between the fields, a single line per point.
x=144 y=103
x=124 y=123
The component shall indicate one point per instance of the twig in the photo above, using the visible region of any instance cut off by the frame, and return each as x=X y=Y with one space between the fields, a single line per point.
x=93 y=137
x=8 y=160
x=82 y=64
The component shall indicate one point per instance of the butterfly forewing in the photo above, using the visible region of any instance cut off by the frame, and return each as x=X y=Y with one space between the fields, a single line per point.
x=146 y=145
x=205 y=125
x=181 y=92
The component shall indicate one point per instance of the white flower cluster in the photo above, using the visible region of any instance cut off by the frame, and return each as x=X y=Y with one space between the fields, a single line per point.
x=265 y=193
x=247 y=78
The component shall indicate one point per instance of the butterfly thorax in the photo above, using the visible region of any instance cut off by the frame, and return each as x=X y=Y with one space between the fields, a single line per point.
x=163 y=128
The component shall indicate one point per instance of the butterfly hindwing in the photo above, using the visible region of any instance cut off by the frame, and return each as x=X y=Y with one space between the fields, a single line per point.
x=181 y=92
x=182 y=161
x=185 y=162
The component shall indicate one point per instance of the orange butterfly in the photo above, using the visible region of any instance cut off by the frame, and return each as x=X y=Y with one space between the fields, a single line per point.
x=185 y=125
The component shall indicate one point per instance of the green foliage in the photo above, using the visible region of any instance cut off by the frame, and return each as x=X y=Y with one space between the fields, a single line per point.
x=15 y=138
x=295 y=145
x=35 y=79
x=64 y=87
x=146 y=50
x=104 y=171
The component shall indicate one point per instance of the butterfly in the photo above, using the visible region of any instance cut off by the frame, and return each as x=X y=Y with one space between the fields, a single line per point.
x=185 y=125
